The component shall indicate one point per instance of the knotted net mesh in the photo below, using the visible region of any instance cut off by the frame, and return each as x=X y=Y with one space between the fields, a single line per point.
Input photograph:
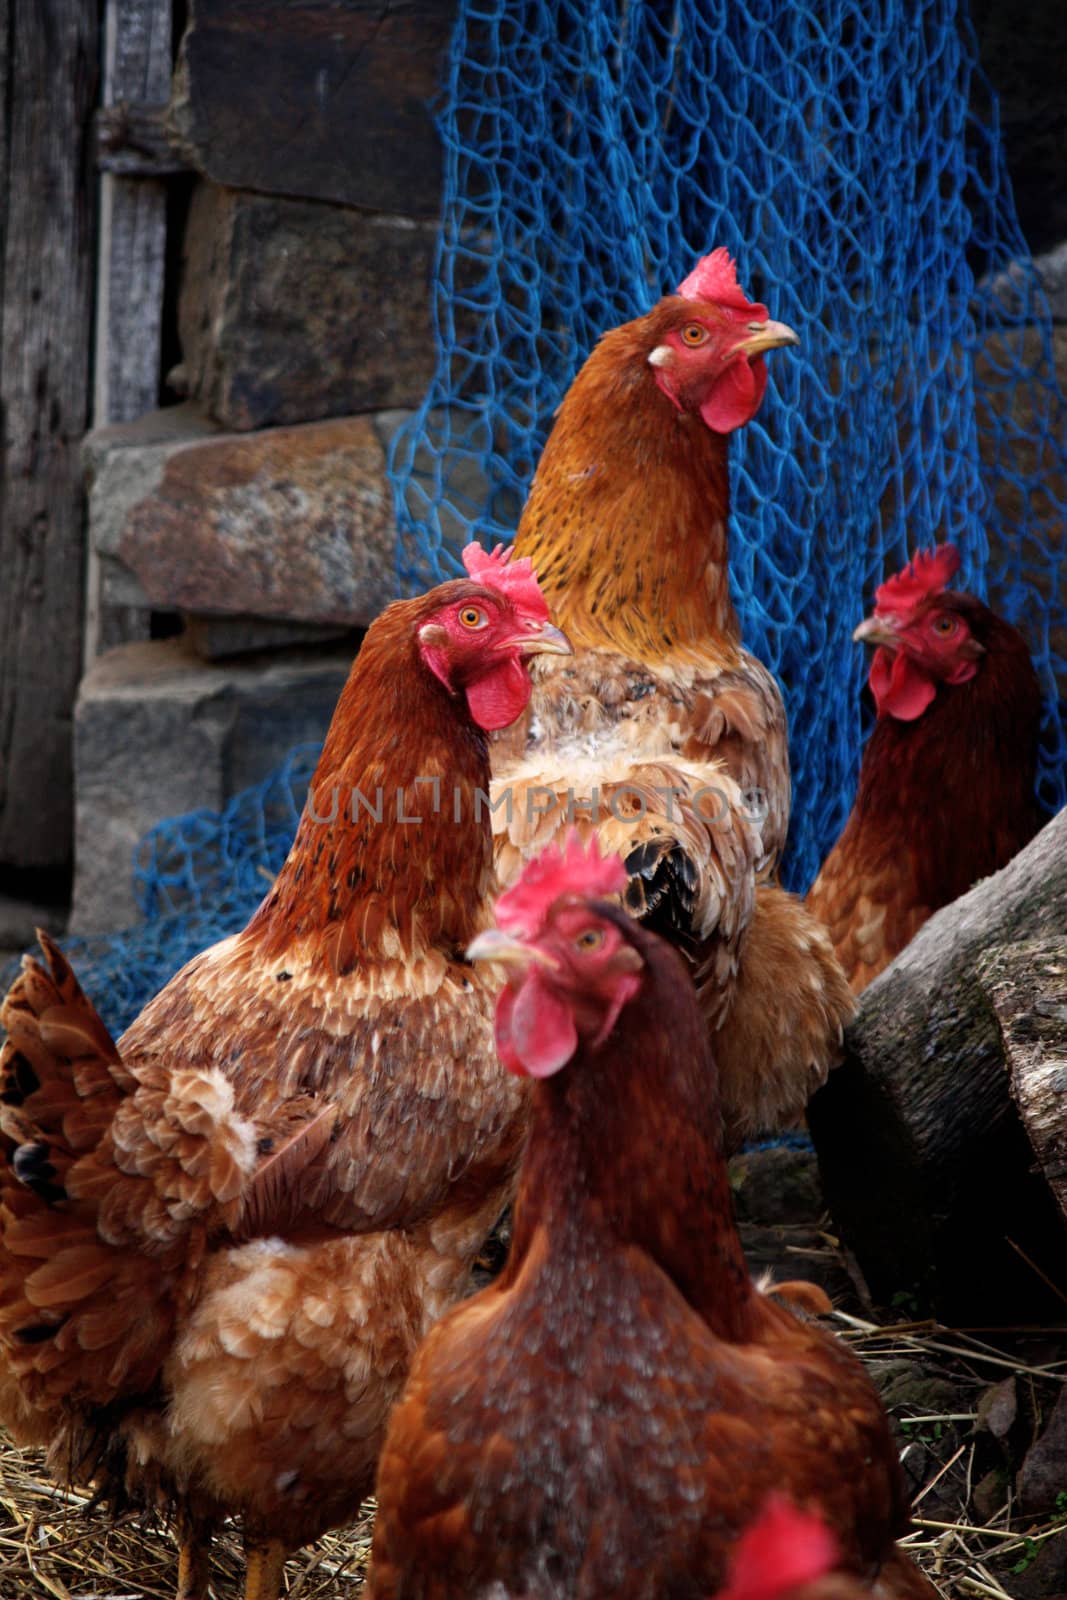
x=848 y=156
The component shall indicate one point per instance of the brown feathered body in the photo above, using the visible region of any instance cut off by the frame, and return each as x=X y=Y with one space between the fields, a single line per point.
x=663 y=732
x=255 y=1206
x=943 y=800
x=608 y=1416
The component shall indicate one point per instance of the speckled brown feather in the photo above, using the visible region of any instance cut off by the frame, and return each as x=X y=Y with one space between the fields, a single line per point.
x=611 y=1413
x=627 y=524
x=261 y=1199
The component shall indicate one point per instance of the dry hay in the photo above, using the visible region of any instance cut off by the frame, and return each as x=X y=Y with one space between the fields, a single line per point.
x=953 y=1462
x=52 y=1543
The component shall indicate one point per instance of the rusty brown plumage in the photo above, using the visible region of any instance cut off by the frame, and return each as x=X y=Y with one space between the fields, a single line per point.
x=663 y=732
x=945 y=797
x=611 y=1414
x=223 y=1238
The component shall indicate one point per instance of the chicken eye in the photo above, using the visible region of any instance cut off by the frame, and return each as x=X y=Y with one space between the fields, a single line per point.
x=693 y=334
x=591 y=939
x=945 y=625
x=473 y=617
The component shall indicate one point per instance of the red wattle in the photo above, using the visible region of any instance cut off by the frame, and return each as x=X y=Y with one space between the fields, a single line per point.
x=900 y=689
x=498 y=698
x=736 y=397
x=535 y=1033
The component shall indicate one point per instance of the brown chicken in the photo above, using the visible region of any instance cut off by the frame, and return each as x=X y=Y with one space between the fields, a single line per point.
x=609 y=1415
x=663 y=731
x=223 y=1238
x=946 y=789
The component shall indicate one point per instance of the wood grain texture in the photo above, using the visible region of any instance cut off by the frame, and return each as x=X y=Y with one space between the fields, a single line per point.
x=131 y=270
x=925 y=1163
x=49 y=87
x=133 y=222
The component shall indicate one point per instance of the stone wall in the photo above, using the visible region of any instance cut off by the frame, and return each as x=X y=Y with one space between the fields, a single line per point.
x=239 y=518
x=252 y=523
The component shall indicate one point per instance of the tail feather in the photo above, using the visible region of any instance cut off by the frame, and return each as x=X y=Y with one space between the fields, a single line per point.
x=58 y=1064
x=684 y=832
x=785 y=1027
x=663 y=888
x=109 y=1184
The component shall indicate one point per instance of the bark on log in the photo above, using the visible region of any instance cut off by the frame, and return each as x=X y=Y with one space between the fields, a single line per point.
x=47 y=86
x=926 y=1164
x=1027 y=984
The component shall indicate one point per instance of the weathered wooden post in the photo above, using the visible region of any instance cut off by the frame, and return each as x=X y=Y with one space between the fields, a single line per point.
x=48 y=80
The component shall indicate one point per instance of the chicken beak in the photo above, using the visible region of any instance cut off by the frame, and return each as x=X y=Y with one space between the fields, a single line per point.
x=496 y=945
x=546 y=641
x=766 y=336
x=877 y=631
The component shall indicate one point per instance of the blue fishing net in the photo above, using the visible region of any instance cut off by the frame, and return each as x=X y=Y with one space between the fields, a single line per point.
x=848 y=155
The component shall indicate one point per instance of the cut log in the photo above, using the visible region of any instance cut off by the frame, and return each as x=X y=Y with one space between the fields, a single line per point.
x=1027 y=984
x=926 y=1164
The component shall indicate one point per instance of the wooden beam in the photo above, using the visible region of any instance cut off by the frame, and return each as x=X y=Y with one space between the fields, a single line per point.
x=137 y=60
x=48 y=79
x=131 y=266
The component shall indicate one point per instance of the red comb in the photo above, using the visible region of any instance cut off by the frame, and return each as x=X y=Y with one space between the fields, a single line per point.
x=515 y=579
x=783 y=1549
x=574 y=869
x=715 y=278
x=926 y=574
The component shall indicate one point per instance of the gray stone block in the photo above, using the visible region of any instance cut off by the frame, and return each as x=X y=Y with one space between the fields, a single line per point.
x=316 y=98
x=159 y=732
x=291 y=311
x=20 y=919
x=122 y=465
x=290 y=524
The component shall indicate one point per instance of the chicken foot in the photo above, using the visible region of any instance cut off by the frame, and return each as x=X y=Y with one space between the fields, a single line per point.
x=264 y=1564
x=194 y=1559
